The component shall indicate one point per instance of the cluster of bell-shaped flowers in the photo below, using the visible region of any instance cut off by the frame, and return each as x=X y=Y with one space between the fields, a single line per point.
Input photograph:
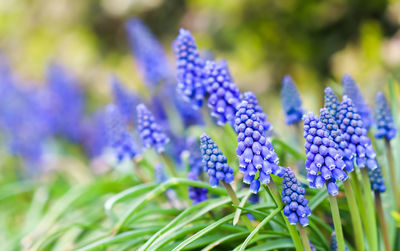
x=385 y=127
x=376 y=179
x=291 y=101
x=252 y=99
x=331 y=102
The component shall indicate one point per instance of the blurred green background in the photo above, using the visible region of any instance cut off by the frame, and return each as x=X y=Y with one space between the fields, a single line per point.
x=314 y=41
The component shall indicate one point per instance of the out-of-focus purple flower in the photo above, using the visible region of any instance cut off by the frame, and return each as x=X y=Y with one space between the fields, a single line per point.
x=150 y=132
x=149 y=54
x=196 y=194
x=125 y=100
x=224 y=93
x=351 y=90
x=376 y=180
x=296 y=205
x=331 y=102
x=312 y=247
x=189 y=69
x=118 y=136
x=253 y=199
x=94 y=134
x=255 y=152
x=252 y=99
x=324 y=162
x=214 y=162
x=336 y=135
x=68 y=103
x=384 y=118
x=333 y=243
x=355 y=134
x=159 y=174
x=291 y=101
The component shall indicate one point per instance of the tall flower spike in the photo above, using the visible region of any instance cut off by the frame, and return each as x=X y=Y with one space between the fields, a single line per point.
x=252 y=99
x=118 y=137
x=336 y=135
x=384 y=118
x=150 y=132
x=331 y=102
x=355 y=134
x=291 y=101
x=351 y=90
x=296 y=205
x=149 y=54
x=214 y=162
x=255 y=152
x=376 y=180
x=189 y=69
x=324 y=162
x=224 y=94
x=125 y=100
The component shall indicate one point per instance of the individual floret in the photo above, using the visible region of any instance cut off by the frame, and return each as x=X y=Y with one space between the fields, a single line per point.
x=384 y=118
x=291 y=101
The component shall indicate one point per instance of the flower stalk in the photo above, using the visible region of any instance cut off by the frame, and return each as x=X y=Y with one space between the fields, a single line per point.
x=392 y=173
x=304 y=238
x=382 y=221
x=337 y=223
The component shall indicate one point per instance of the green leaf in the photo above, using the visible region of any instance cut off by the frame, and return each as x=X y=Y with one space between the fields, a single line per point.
x=318 y=199
x=236 y=236
x=274 y=244
x=288 y=148
x=239 y=208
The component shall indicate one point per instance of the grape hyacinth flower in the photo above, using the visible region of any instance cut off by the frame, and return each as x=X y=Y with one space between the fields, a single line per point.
x=355 y=134
x=291 y=101
x=190 y=69
x=118 y=136
x=125 y=100
x=150 y=132
x=214 y=162
x=224 y=93
x=296 y=205
x=252 y=99
x=324 y=162
x=148 y=52
x=331 y=102
x=255 y=152
x=351 y=90
x=376 y=180
x=384 y=118
x=336 y=135
x=333 y=243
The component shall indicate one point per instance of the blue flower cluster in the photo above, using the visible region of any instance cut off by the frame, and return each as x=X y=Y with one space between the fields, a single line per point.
x=190 y=68
x=118 y=136
x=214 y=162
x=324 y=162
x=150 y=56
x=252 y=99
x=331 y=102
x=150 y=132
x=336 y=135
x=351 y=90
x=224 y=93
x=355 y=134
x=296 y=205
x=291 y=101
x=94 y=134
x=376 y=180
x=384 y=118
x=333 y=243
x=255 y=152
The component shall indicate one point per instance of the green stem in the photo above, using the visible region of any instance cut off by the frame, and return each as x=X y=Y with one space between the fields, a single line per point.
x=369 y=205
x=138 y=171
x=169 y=165
x=292 y=228
x=304 y=238
x=355 y=216
x=392 y=173
x=337 y=223
x=382 y=221
x=236 y=202
x=360 y=200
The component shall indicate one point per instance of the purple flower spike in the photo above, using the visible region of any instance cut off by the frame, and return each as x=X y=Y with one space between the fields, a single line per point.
x=376 y=180
x=291 y=101
x=190 y=69
x=351 y=90
x=384 y=118
x=148 y=52
x=255 y=152
x=331 y=102
x=296 y=205
x=355 y=134
x=118 y=136
x=214 y=162
x=150 y=132
x=224 y=93
x=324 y=161
x=252 y=99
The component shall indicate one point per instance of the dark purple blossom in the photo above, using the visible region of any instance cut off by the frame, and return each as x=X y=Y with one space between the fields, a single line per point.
x=376 y=180
x=252 y=99
x=296 y=205
x=331 y=102
x=291 y=101
x=324 y=162
x=351 y=90
x=214 y=162
x=384 y=118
